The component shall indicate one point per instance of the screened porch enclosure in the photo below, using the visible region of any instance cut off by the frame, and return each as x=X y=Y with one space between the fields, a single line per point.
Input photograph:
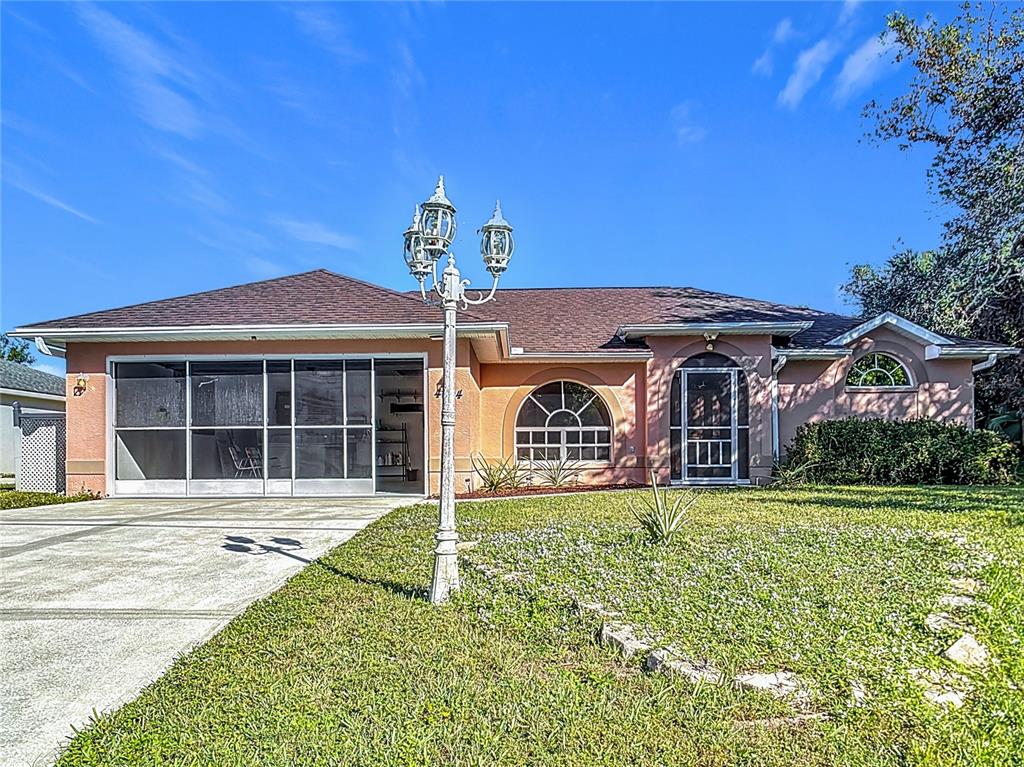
x=251 y=427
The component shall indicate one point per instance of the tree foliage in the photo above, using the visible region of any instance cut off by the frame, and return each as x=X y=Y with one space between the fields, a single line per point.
x=16 y=350
x=964 y=102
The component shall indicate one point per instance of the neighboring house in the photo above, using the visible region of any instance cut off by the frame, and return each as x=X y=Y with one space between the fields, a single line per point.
x=36 y=392
x=319 y=384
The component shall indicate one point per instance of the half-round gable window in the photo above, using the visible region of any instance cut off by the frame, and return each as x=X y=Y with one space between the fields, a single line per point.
x=878 y=369
x=563 y=420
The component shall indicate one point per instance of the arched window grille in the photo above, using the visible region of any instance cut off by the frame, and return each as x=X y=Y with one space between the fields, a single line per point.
x=563 y=420
x=877 y=369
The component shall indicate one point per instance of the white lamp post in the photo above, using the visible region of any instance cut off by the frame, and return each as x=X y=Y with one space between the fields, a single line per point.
x=427 y=239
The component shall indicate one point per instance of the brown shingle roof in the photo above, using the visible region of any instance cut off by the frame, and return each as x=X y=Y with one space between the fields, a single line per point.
x=319 y=297
x=540 y=319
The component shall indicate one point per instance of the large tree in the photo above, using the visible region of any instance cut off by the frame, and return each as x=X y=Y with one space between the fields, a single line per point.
x=15 y=350
x=965 y=103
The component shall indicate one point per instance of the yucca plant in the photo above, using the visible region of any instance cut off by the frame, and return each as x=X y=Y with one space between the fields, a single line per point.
x=661 y=520
x=556 y=473
x=504 y=474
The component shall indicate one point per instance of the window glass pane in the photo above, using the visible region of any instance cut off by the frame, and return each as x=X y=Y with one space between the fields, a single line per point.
x=604 y=454
x=550 y=396
x=523 y=453
x=588 y=454
x=742 y=399
x=595 y=414
x=572 y=437
x=604 y=436
x=572 y=453
x=358 y=391
x=279 y=454
x=227 y=393
x=576 y=396
x=675 y=406
x=709 y=399
x=150 y=394
x=563 y=418
x=279 y=393
x=319 y=453
x=151 y=454
x=360 y=453
x=676 y=451
x=227 y=453
x=318 y=392
x=530 y=414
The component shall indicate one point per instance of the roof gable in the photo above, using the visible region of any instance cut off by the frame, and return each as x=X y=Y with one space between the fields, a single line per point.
x=318 y=297
x=894 y=321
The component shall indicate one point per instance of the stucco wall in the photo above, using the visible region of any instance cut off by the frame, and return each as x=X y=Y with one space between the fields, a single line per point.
x=814 y=391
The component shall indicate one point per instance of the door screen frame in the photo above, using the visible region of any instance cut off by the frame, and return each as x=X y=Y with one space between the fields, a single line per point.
x=734 y=427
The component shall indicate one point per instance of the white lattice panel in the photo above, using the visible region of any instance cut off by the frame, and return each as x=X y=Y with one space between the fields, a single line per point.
x=43 y=452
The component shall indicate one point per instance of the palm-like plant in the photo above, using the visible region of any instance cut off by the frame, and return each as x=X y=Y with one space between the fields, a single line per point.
x=504 y=474
x=660 y=519
x=557 y=473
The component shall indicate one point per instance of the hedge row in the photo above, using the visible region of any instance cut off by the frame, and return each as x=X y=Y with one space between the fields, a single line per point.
x=880 y=452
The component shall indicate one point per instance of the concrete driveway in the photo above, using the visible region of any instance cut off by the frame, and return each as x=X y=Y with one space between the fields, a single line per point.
x=97 y=598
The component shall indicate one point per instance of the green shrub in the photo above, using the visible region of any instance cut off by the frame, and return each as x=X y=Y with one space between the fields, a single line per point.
x=17 y=499
x=880 y=452
x=557 y=473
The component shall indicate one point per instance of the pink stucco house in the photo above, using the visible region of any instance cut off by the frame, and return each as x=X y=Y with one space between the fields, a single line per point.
x=320 y=384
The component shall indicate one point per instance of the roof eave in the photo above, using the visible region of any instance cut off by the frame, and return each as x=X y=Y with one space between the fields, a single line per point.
x=967 y=352
x=811 y=354
x=51 y=336
x=720 y=328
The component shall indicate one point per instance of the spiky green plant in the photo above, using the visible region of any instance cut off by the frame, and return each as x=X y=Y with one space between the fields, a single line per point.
x=556 y=473
x=660 y=519
x=498 y=475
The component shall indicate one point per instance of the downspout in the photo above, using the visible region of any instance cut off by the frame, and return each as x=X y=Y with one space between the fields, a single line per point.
x=780 y=362
x=992 y=359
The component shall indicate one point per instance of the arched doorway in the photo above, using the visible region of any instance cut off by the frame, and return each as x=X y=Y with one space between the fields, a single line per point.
x=709 y=421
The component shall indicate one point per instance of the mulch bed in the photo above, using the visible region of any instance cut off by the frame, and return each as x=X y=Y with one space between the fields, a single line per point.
x=542 y=490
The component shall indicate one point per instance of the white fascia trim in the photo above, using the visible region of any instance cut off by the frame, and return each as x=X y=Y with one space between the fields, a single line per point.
x=33 y=394
x=899 y=323
x=810 y=354
x=721 y=328
x=969 y=352
x=263 y=332
x=623 y=356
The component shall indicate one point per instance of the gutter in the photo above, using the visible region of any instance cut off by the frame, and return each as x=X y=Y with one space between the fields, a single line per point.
x=48 y=350
x=518 y=355
x=978 y=367
x=722 y=328
x=34 y=394
x=965 y=351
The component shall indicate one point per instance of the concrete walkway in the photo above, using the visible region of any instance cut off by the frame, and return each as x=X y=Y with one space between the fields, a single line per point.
x=97 y=598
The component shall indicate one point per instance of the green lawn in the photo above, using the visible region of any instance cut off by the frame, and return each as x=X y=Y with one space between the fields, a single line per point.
x=347 y=665
x=18 y=499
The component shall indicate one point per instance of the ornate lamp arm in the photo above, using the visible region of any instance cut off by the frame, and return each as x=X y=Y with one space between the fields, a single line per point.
x=481 y=299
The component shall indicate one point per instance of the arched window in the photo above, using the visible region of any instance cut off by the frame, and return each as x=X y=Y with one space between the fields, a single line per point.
x=563 y=420
x=878 y=370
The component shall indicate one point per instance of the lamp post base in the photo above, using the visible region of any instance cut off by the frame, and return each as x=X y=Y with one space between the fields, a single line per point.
x=446 y=567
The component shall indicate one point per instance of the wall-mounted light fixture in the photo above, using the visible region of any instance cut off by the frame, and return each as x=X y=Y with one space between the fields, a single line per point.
x=81 y=384
x=710 y=338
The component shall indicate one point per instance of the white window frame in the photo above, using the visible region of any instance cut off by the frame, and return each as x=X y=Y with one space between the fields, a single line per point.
x=911 y=386
x=562 y=431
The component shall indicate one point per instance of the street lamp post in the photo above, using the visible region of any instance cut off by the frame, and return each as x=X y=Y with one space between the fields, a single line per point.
x=427 y=239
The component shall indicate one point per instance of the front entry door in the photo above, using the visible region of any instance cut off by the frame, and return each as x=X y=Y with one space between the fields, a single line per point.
x=710 y=425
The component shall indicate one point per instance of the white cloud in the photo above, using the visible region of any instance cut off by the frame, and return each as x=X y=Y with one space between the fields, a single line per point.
x=765 y=64
x=863 y=67
x=316 y=233
x=156 y=76
x=848 y=10
x=807 y=71
x=784 y=31
x=50 y=200
x=686 y=129
x=320 y=26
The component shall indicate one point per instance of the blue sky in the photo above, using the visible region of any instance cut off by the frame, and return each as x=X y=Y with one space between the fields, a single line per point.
x=160 y=149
